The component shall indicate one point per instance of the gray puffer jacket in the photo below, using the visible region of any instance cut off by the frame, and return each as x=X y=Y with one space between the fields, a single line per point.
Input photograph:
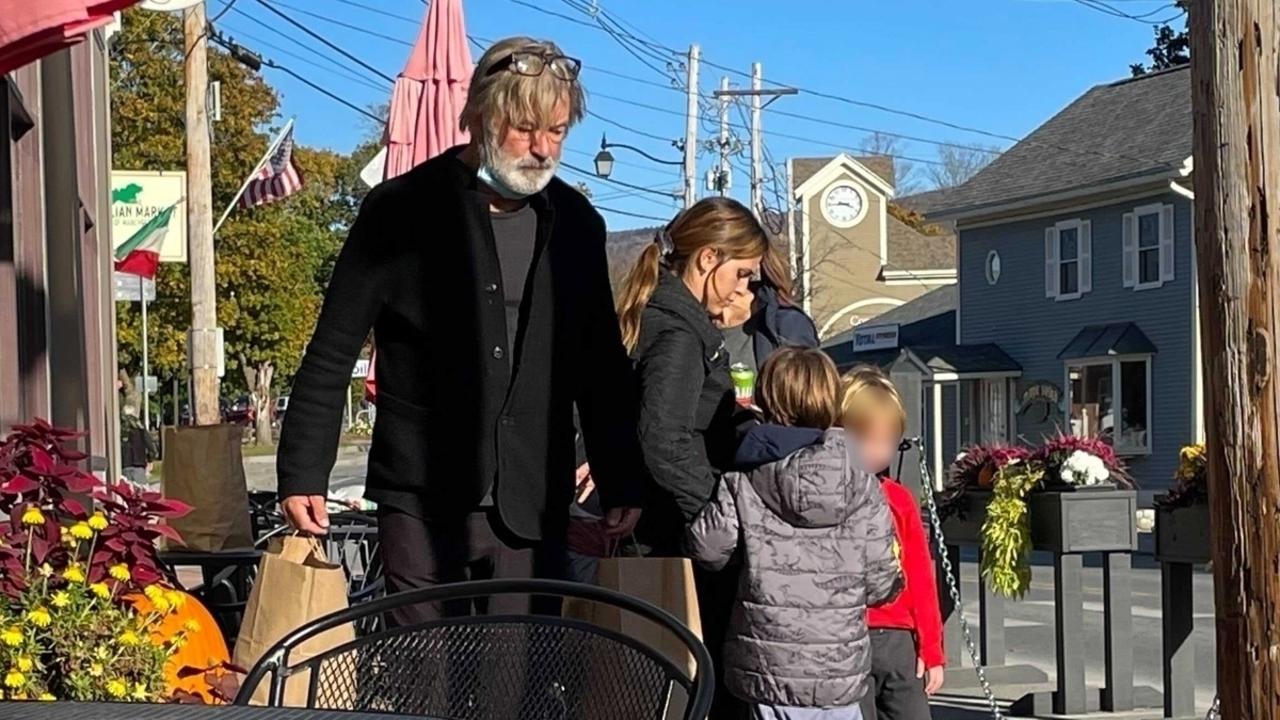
x=817 y=545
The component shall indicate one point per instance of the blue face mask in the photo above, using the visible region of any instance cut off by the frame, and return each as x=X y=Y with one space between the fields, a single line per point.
x=498 y=186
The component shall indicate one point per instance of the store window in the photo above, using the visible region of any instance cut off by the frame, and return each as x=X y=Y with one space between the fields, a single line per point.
x=1111 y=398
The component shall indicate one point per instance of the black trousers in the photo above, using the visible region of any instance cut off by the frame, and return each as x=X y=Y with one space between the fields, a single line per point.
x=471 y=684
x=895 y=693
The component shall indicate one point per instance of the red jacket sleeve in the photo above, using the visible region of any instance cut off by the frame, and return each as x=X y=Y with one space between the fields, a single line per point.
x=917 y=563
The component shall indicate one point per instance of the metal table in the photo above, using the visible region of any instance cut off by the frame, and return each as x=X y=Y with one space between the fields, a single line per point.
x=142 y=711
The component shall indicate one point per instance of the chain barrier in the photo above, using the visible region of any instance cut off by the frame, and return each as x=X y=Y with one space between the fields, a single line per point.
x=1213 y=709
x=953 y=582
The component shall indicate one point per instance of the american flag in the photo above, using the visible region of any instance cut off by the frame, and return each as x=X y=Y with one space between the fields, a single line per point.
x=279 y=177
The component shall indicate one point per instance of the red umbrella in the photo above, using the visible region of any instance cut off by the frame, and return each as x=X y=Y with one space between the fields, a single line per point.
x=31 y=30
x=428 y=100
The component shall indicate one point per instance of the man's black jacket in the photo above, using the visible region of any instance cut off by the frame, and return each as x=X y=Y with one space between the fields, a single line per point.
x=454 y=411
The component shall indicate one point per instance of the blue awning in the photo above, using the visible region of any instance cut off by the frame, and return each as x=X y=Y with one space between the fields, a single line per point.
x=1105 y=340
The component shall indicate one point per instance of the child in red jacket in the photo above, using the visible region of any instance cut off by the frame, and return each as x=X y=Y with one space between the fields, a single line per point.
x=906 y=634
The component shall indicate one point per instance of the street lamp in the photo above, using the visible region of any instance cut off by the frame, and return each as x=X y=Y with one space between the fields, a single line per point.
x=604 y=158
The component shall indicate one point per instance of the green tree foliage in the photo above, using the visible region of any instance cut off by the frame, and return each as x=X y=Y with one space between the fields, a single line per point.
x=272 y=261
x=1171 y=49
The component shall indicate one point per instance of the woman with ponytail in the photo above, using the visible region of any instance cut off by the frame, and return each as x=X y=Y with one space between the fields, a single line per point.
x=697 y=269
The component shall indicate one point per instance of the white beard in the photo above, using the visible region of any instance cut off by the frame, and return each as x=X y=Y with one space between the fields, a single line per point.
x=524 y=175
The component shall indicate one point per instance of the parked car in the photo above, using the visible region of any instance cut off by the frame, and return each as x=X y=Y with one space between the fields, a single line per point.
x=240 y=411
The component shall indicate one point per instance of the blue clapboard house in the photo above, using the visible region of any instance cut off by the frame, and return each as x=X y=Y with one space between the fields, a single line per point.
x=1075 y=307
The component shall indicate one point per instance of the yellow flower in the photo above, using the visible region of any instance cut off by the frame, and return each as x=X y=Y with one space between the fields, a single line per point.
x=120 y=572
x=139 y=691
x=162 y=605
x=46 y=570
x=15 y=679
x=12 y=637
x=61 y=599
x=25 y=664
x=175 y=599
x=129 y=638
x=191 y=626
x=117 y=688
x=152 y=592
x=47 y=697
x=101 y=590
x=96 y=670
x=32 y=516
x=178 y=642
x=81 y=531
x=74 y=573
x=98 y=521
x=39 y=617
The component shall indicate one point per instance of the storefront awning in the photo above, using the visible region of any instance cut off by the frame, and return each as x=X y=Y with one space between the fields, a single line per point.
x=31 y=30
x=1106 y=340
x=968 y=360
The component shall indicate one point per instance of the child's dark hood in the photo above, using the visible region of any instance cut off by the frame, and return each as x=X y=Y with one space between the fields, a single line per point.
x=766 y=443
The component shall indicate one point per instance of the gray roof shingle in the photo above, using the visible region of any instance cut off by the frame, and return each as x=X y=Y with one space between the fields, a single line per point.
x=910 y=249
x=805 y=168
x=1130 y=128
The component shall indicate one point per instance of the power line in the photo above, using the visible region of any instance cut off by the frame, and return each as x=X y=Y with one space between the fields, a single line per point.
x=275 y=30
x=1106 y=9
x=345 y=25
x=379 y=11
x=642 y=216
x=288 y=53
x=628 y=128
x=619 y=183
x=326 y=41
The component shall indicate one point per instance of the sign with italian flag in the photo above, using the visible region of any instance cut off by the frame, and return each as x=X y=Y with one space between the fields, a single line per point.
x=140 y=254
x=138 y=196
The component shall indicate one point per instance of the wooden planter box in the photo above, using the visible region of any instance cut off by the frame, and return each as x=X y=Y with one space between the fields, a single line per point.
x=1182 y=534
x=1061 y=521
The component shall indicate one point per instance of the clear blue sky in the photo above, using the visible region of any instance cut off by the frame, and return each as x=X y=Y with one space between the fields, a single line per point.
x=1003 y=66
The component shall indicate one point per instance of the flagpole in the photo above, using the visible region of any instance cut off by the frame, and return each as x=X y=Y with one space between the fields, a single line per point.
x=146 y=366
x=249 y=178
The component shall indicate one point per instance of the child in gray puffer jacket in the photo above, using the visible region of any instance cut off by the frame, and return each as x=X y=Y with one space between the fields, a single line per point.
x=817 y=547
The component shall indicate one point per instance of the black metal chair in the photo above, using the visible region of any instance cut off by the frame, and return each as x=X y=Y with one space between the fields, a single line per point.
x=485 y=667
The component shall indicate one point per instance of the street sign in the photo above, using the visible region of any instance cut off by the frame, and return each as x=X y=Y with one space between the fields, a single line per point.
x=361 y=369
x=128 y=290
x=875 y=337
x=137 y=196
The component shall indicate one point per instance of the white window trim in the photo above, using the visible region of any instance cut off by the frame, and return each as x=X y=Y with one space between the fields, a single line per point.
x=1114 y=361
x=1081 y=226
x=1156 y=209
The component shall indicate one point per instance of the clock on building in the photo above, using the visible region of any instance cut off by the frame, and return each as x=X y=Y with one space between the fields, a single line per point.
x=843 y=204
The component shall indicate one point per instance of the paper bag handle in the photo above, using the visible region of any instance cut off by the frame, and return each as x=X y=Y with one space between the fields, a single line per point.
x=298 y=552
x=616 y=545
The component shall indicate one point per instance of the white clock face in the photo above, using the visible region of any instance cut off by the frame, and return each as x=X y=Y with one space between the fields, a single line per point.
x=843 y=205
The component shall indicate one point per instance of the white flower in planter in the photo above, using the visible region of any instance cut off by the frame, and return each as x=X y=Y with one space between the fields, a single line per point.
x=1082 y=468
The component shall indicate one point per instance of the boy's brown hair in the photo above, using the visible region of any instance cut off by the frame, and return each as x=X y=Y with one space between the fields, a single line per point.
x=800 y=387
x=866 y=390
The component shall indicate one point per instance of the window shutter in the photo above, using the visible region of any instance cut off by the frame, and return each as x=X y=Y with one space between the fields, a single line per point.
x=1129 y=249
x=1086 y=256
x=1051 y=262
x=1166 y=243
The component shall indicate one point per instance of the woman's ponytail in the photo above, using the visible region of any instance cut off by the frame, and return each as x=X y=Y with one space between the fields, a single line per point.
x=636 y=291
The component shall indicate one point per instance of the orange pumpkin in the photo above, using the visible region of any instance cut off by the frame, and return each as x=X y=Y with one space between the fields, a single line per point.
x=204 y=648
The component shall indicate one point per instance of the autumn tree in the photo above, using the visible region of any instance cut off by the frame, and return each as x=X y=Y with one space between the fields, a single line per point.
x=904 y=171
x=956 y=164
x=272 y=261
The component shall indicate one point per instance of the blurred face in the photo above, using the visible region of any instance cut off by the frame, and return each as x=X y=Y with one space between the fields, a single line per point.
x=527 y=154
x=721 y=284
x=877 y=440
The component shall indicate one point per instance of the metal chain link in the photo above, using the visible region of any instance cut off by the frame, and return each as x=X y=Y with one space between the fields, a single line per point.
x=953 y=584
x=1213 y=710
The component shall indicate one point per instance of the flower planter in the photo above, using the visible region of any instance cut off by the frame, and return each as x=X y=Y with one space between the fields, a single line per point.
x=1182 y=534
x=1097 y=519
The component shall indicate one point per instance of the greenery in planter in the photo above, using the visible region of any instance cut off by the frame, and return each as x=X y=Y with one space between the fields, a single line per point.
x=70 y=628
x=1192 y=479
x=1011 y=473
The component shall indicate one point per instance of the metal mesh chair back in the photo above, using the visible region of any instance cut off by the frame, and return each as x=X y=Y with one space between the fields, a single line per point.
x=490 y=667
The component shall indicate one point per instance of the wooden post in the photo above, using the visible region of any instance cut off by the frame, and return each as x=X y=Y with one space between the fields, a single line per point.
x=202 y=346
x=1237 y=220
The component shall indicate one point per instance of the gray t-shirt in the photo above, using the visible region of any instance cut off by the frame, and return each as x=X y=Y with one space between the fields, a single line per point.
x=515 y=234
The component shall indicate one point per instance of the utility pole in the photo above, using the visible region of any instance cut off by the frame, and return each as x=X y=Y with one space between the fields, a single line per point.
x=1236 y=113
x=202 y=342
x=691 y=128
x=757 y=176
x=722 y=178
x=756 y=92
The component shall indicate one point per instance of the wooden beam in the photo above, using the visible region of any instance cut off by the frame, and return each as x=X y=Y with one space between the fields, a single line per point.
x=1237 y=213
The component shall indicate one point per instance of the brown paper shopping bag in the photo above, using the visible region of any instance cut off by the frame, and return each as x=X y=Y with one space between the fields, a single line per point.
x=295 y=585
x=203 y=467
x=664 y=582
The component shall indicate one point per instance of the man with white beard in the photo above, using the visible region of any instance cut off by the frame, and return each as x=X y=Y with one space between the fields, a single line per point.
x=484 y=279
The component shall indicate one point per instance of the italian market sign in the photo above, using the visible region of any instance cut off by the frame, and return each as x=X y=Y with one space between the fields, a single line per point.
x=139 y=195
x=1039 y=401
